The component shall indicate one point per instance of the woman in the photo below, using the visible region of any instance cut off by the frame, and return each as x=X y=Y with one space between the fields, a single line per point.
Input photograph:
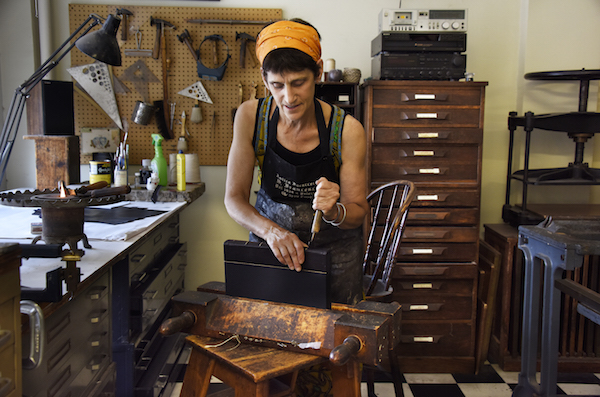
x=311 y=158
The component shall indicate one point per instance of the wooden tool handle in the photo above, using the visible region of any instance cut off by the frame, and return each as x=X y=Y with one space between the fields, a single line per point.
x=177 y=324
x=342 y=353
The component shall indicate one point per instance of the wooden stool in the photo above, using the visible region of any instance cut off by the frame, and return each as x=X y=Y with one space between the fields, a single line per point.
x=251 y=370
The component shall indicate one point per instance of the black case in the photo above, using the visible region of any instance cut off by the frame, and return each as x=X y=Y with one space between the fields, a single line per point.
x=252 y=271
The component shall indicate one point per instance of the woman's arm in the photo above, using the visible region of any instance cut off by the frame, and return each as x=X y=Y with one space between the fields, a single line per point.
x=352 y=191
x=286 y=246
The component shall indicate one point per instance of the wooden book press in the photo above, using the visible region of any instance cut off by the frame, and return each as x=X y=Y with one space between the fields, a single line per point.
x=267 y=341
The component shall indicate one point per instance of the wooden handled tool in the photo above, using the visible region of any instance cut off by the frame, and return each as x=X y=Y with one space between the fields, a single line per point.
x=316 y=225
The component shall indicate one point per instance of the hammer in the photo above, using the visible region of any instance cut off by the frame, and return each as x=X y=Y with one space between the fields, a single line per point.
x=126 y=14
x=185 y=38
x=244 y=37
x=160 y=26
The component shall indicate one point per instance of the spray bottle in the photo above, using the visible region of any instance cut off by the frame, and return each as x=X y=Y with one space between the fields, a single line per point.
x=159 y=163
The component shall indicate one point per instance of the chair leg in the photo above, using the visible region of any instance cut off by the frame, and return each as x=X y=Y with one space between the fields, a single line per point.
x=396 y=374
x=370 y=375
x=197 y=375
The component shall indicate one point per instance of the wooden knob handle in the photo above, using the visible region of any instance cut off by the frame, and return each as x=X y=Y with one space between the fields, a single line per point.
x=342 y=353
x=177 y=324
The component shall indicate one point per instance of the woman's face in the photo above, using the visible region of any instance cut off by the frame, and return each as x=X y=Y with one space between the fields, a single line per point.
x=293 y=92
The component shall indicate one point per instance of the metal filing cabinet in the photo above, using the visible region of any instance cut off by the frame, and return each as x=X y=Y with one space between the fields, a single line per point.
x=77 y=358
x=431 y=133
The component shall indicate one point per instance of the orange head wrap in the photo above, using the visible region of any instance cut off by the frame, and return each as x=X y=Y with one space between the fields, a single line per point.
x=288 y=34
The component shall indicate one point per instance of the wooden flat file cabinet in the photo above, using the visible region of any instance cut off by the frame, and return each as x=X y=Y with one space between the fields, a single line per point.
x=431 y=133
x=10 y=321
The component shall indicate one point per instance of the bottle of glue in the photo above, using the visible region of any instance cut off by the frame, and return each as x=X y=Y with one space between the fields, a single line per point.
x=181 y=171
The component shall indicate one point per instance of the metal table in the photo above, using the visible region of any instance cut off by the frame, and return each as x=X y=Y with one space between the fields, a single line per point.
x=554 y=246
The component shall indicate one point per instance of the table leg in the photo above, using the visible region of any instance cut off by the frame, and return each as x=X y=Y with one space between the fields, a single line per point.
x=531 y=303
x=346 y=379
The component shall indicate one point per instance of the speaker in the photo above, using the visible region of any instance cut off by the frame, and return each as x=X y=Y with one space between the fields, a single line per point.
x=50 y=109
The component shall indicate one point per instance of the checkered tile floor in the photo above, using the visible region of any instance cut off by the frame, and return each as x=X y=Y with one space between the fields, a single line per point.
x=490 y=382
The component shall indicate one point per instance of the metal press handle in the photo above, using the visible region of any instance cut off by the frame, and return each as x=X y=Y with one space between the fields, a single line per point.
x=36 y=334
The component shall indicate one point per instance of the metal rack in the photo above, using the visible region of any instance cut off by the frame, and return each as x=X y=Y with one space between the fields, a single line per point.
x=580 y=126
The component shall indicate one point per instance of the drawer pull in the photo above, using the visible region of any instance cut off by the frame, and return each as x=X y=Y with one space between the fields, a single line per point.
x=151 y=294
x=423 y=116
x=438 y=216
x=426 y=234
x=422 y=251
x=5 y=337
x=429 y=170
x=37 y=334
x=423 y=339
x=428 y=135
x=6 y=385
x=424 y=153
x=423 y=271
x=138 y=258
x=418 y=307
x=406 y=97
x=422 y=285
x=420 y=97
x=427 y=197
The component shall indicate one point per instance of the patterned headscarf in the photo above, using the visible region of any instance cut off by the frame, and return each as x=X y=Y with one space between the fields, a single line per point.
x=288 y=34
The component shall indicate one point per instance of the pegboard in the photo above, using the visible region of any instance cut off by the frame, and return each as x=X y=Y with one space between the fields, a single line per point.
x=211 y=138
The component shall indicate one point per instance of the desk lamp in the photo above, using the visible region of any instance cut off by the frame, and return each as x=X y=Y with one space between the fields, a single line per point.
x=101 y=45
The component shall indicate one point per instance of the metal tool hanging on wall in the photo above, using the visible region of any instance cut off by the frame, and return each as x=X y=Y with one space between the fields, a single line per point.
x=162 y=114
x=140 y=75
x=95 y=80
x=214 y=74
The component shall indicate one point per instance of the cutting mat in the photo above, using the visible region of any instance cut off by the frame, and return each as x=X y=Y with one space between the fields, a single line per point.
x=210 y=140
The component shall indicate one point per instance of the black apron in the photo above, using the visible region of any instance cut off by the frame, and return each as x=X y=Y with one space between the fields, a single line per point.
x=285 y=197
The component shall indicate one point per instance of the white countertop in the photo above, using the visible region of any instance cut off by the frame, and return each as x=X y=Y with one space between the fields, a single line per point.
x=107 y=240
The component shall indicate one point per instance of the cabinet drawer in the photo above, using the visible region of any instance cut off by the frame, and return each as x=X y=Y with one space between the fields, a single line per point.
x=427 y=135
x=141 y=258
x=426 y=171
x=447 y=234
x=418 y=271
x=411 y=96
x=422 y=155
x=436 y=308
x=439 y=197
x=426 y=288
x=435 y=339
x=435 y=197
x=436 y=252
x=426 y=117
x=7 y=323
x=442 y=216
x=8 y=368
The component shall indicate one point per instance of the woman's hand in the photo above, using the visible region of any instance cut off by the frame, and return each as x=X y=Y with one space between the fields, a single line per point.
x=286 y=247
x=326 y=195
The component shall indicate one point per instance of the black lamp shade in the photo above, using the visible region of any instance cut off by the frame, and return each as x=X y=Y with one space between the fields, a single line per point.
x=102 y=44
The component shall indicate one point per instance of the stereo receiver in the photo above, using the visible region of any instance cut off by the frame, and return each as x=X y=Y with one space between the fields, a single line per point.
x=397 y=20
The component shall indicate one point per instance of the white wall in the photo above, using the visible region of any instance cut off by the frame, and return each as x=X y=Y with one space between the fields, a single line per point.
x=505 y=40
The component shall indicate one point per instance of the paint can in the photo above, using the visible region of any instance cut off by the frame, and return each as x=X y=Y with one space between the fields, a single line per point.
x=100 y=171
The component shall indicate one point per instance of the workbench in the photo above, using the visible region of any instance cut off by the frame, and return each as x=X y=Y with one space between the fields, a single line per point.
x=102 y=337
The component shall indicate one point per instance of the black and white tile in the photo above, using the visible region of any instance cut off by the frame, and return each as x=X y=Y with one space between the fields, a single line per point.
x=491 y=381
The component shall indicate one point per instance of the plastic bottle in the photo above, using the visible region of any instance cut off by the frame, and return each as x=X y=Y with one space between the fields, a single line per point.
x=180 y=171
x=145 y=171
x=152 y=182
x=159 y=163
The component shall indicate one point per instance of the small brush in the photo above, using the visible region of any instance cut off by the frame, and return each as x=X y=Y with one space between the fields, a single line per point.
x=182 y=143
x=196 y=113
